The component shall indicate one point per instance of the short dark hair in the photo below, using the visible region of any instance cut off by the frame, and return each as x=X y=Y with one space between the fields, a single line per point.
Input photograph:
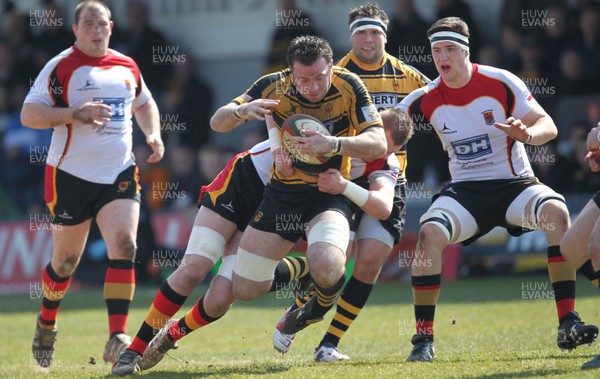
x=307 y=49
x=371 y=10
x=449 y=24
x=95 y=4
x=401 y=129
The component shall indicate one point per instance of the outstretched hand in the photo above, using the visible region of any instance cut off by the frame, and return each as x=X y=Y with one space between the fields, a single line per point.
x=257 y=109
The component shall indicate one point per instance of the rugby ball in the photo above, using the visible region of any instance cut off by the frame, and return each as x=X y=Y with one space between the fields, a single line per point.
x=293 y=126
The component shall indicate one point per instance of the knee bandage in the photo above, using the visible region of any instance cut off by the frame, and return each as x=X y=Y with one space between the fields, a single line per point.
x=254 y=267
x=537 y=203
x=226 y=268
x=206 y=243
x=328 y=231
x=442 y=220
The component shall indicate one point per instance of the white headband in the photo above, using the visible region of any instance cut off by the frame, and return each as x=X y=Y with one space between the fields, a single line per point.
x=367 y=23
x=453 y=37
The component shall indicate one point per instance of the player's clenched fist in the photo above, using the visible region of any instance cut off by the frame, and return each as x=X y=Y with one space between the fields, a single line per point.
x=332 y=182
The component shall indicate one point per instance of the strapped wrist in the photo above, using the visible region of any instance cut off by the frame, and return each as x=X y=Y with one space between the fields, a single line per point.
x=337 y=146
x=274 y=139
x=356 y=194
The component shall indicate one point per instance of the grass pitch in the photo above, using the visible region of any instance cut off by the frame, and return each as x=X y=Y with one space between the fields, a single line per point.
x=485 y=328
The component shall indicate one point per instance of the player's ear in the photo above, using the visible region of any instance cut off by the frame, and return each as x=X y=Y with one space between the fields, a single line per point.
x=111 y=25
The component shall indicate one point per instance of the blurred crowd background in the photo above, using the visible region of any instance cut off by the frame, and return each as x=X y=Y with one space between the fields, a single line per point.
x=554 y=46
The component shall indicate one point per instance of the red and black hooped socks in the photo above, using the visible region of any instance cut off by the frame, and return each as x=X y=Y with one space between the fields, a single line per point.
x=54 y=289
x=194 y=319
x=426 y=291
x=165 y=304
x=562 y=277
x=119 y=287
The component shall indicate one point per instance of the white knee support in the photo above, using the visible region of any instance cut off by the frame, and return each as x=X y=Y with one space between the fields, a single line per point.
x=537 y=203
x=442 y=220
x=206 y=243
x=330 y=232
x=226 y=268
x=254 y=267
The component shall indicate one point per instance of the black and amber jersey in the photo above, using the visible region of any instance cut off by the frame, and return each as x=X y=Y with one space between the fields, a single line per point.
x=388 y=83
x=346 y=110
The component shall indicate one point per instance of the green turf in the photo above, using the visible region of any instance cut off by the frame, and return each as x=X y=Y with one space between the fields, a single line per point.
x=484 y=329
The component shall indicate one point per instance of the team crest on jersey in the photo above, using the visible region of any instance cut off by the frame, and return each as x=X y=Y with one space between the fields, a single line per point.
x=396 y=85
x=329 y=109
x=258 y=216
x=127 y=84
x=123 y=185
x=488 y=117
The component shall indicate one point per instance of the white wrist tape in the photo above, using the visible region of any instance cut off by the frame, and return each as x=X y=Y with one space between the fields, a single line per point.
x=274 y=139
x=356 y=194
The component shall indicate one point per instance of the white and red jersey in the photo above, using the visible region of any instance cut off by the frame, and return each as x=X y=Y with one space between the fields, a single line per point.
x=388 y=168
x=71 y=79
x=464 y=118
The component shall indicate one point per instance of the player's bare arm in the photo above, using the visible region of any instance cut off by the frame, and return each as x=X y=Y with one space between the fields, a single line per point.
x=41 y=116
x=368 y=145
x=231 y=115
x=380 y=195
x=148 y=119
x=536 y=128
